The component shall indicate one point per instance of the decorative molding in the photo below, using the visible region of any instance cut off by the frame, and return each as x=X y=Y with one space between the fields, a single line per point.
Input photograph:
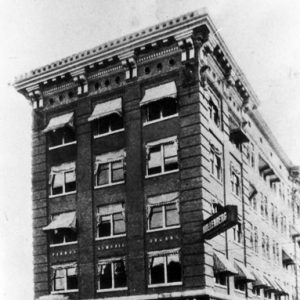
x=186 y=44
x=79 y=77
x=156 y=55
x=35 y=96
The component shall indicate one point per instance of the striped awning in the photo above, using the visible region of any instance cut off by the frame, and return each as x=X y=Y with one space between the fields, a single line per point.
x=107 y=108
x=223 y=265
x=243 y=273
x=64 y=220
x=59 y=122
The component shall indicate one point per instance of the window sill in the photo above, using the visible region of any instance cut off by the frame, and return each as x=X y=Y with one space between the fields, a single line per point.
x=161 y=174
x=108 y=133
x=162 y=229
x=63 y=244
x=219 y=285
x=164 y=284
x=112 y=290
x=62 y=145
x=216 y=179
x=64 y=291
x=160 y=120
x=109 y=237
x=64 y=194
x=107 y=185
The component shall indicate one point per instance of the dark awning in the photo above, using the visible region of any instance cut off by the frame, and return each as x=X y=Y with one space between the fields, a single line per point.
x=238 y=135
x=272 y=286
x=64 y=220
x=243 y=273
x=223 y=265
x=281 y=290
x=287 y=258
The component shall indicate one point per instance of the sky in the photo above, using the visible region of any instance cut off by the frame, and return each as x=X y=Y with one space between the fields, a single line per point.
x=263 y=37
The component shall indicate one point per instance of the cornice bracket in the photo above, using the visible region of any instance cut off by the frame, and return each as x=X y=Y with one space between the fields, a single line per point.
x=79 y=77
x=129 y=63
x=186 y=44
x=35 y=96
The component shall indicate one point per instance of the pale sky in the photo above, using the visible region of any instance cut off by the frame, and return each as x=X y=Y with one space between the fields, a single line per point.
x=262 y=35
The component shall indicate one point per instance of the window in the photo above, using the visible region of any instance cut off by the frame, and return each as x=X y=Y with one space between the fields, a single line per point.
x=160 y=110
x=237 y=233
x=110 y=221
x=220 y=279
x=64 y=278
x=267 y=246
x=274 y=252
x=162 y=156
x=164 y=268
x=215 y=162
x=266 y=206
x=109 y=168
x=62 y=179
x=61 y=137
x=256 y=291
x=108 y=124
x=252 y=155
x=263 y=243
x=272 y=214
x=163 y=211
x=262 y=204
x=239 y=284
x=112 y=274
x=255 y=239
x=214 y=113
x=251 y=238
x=107 y=117
x=235 y=184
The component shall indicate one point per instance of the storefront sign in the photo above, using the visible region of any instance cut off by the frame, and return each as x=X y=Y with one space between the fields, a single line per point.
x=219 y=222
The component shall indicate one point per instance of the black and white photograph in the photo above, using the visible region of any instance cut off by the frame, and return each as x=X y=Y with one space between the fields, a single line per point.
x=149 y=150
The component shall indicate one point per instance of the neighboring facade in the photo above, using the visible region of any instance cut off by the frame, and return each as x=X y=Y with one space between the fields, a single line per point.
x=136 y=143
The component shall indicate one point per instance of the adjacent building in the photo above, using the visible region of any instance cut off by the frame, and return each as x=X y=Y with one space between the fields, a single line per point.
x=155 y=176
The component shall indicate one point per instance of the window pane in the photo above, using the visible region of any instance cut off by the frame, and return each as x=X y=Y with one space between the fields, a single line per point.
x=103 y=174
x=103 y=125
x=59 y=284
x=72 y=282
x=104 y=228
x=157 y=274
x=153 y=111
x=172 y=216
x=58 y=182
x=69 y=134
x=56 y=137
x=170 y=157
x=117 y=171
x=105 y=276
x=173 y=268
x=57 y=237
x=169 y=107
x=154 y=162
x=70 y=235
x=116 y=122
x=156 y=216
x=119 y=223
x=70 y=179
x=120 y=274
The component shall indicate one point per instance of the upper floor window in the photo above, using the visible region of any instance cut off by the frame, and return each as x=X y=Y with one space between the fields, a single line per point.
x=163 y=211
x=110 y=168
x=266 y=206
x=237 y=233
x=235 y=180
x=162 y=156
x=62 y=229
x=110 y=221
x=255 y=239
x=251 y=238
x=160 y=102
x=64 y=278
x=252 y=196
x=164 y=267
x=214 y=113
x=62 y=179
x=252 y=155
x=60 y=130
x=107 y=118
x=216 y=168
x=112 y=274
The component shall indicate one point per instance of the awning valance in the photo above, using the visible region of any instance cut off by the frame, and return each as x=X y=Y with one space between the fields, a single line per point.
x=64 y=220
x=223 y=265
x=166 y=90
x=260 y=281
x=243 y=273
x=66 y=167
x=59 y=122
x=252 y=190
x=107 y=108
x=109 y=157
x=281 y=289
x=272 y=286
x=163 y=252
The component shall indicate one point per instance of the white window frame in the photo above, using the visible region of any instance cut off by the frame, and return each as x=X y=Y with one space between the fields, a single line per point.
x=162 y=143
x=63 y=193
x=164 y=225
x=235 y=189
x=166 y=283
x=65 y=290
x=213 y=167
x=161 y=117
x=63 y=144
x=110 y=131
x=110 y=183
x=111 y=261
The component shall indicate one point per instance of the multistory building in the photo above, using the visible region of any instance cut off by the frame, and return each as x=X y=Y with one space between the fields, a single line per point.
x=155 y=176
